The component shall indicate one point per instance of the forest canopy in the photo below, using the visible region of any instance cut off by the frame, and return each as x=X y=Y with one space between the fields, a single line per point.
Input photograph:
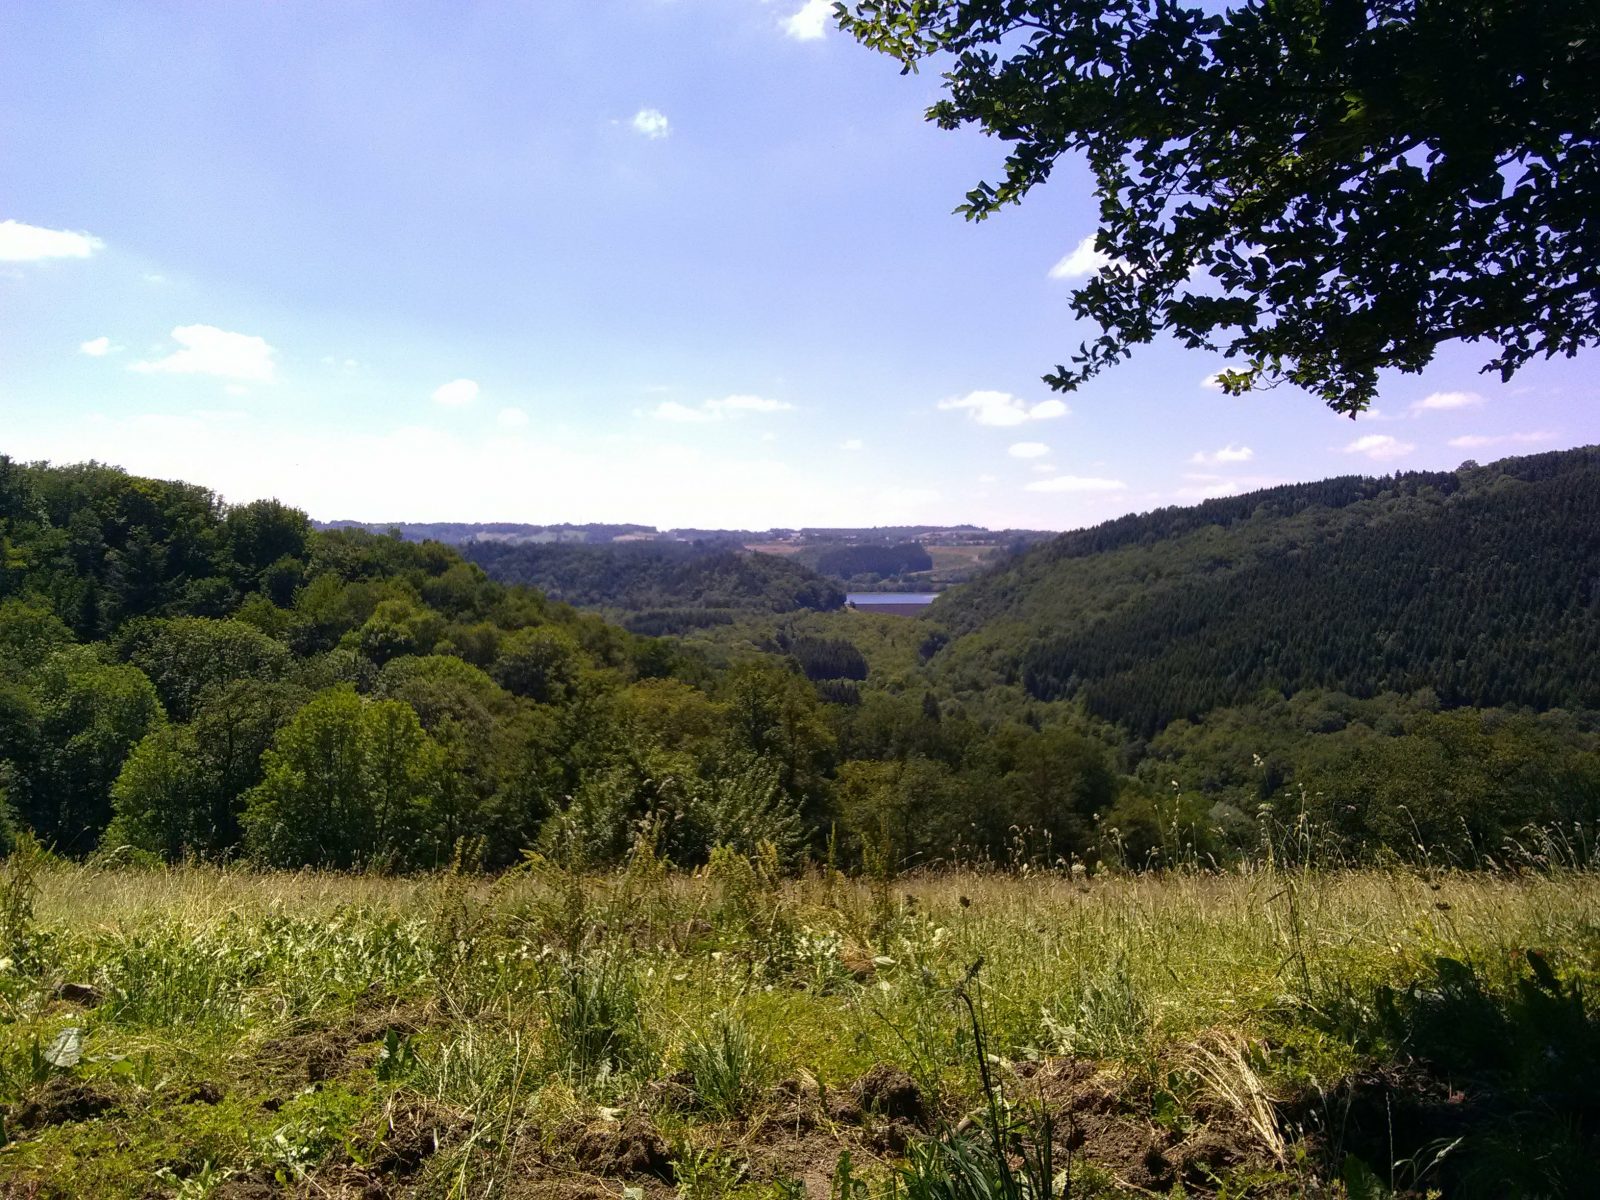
x=185 y=679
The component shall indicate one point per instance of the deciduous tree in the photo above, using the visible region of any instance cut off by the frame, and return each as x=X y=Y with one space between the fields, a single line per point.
x=1320 y=189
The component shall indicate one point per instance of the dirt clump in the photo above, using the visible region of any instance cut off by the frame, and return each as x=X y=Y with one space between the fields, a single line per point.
x=415 y=1133
x=634 y=1148
x=842 y=1108
x=780 y=1150
x=84 y=995
x=890 y=1092
x=62 y=1101
x=1101 y=1121
x=200 y=1092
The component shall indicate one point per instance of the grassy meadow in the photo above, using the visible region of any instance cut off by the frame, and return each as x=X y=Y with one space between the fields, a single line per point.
x=211 y=1032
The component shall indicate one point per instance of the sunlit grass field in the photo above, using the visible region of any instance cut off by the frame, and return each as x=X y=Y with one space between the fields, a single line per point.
x=203 y=1031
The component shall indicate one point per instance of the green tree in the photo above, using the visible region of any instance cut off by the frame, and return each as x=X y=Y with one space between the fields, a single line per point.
x=775 y=714
x=161 y=796
x=28 y=636
x=185 y=656
x=262 y=535
x=902 y=814
x=1055 y=782
x=398 y=627
x=91 y=714
x=1324 y=189
x=542 y=664
x=182 y=789
x=347 y=782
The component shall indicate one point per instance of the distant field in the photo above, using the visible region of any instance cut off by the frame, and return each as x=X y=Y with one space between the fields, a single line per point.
x=737 y=1034
x=958 y=558
x=947 y=560
x=783 y=548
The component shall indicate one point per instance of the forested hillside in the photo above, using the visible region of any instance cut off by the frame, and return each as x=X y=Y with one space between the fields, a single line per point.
x=1481 y=585
x=183 y=678
x=662 y=586
x=180 y=678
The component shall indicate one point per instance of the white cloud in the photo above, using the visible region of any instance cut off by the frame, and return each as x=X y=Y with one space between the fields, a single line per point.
x=208 y=350
x=810 y=21
x=1212 y=381
x=1003 y=409
x=511 y=418
x=747 y=403
x=1476 y=441
x=1076 y=483
x=852 y=444
x=31 y=243
x=1028 y=450
x=96 y=347
x=671 y=410
x=1447 y=400
x=1228 y=454
x=717 y=410
x=652 y=123
x=1379 y=446
x=458 y=393
x=1083 y=261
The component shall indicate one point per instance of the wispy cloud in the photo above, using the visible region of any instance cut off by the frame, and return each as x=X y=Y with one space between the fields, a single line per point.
x=1228 y=454
x=1076 y=483
x=1444 y=401
x=1476 y=441
x=717 y=410
x=810 y=21
x=458 y=393
x=1003 y=409
x=652 y=123
x=207 y=350
x=1380 y=447
x=32 y=243
x=511 y=418
x=1028 y=450
x=852 y=444
x=1082 y=261
x=97 y=347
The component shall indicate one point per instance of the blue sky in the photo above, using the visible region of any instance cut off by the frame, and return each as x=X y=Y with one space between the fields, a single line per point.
x=682 y=262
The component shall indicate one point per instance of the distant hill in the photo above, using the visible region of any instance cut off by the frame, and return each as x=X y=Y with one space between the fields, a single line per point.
x=890 y=557
x=1482 y=584
x=661 y=586
x=455 y=533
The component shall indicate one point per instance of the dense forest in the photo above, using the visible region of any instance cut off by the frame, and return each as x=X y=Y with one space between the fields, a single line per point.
x=184 y=678
x=660 y=587
x=1478 y=584
x=874 y=563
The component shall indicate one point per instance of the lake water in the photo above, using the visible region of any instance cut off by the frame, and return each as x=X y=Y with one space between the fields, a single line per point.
x=868 y=599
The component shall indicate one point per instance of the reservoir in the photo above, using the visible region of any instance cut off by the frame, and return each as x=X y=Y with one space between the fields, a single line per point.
x=899 y=603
